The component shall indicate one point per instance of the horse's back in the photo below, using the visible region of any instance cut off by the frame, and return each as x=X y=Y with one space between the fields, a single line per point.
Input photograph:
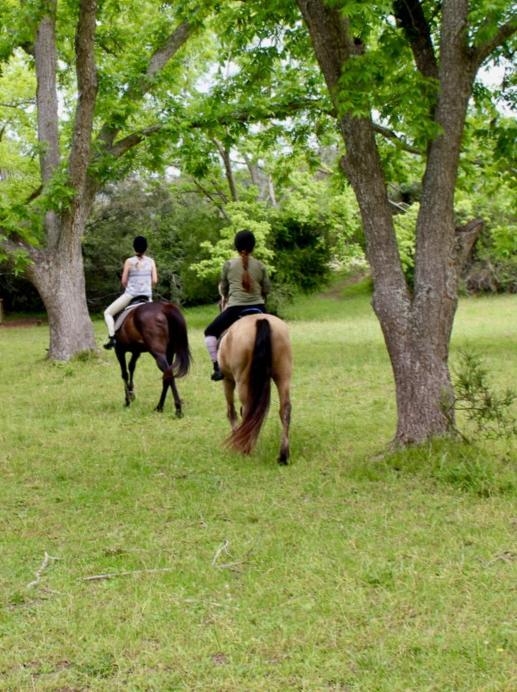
x=238 y=343
x=149 y=322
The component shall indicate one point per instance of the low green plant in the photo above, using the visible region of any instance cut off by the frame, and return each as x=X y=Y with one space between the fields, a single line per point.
x=487 y=412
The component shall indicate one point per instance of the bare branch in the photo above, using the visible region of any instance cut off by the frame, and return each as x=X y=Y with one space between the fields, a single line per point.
x=505 y=31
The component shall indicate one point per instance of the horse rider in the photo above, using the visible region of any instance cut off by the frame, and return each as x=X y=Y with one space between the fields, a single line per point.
x=138 y=278
x=244 y=286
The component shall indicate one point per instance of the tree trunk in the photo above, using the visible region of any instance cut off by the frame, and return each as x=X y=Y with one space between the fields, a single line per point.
x=416 y=326
x=59 y=278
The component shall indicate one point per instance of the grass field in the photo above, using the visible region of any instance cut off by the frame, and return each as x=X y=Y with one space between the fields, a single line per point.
x=347 y=570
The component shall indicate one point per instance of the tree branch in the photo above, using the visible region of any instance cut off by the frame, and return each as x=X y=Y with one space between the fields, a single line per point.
x=224 y=153
x=132 y=140
x=275 y=111
x=87 y=90
x=504 y=32
x=466 y=236
x=212 y=199
x=45 y=56
x=410 y=16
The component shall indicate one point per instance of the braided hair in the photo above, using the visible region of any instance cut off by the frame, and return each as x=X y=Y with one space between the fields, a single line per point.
x=244 y=244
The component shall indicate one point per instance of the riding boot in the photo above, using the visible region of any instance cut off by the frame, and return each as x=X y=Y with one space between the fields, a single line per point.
x=110 y=343
x=217 y=375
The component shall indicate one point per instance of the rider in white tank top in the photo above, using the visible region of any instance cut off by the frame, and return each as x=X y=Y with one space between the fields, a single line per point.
x=138 y=278
x=140 y=274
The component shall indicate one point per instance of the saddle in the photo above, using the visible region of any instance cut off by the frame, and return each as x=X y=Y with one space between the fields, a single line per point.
x=244 y=313
x=120 y=317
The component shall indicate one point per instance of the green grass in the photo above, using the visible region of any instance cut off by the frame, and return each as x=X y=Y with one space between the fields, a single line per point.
x=347 y=570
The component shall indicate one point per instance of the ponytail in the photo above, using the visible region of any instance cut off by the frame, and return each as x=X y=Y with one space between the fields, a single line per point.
x=246 y=278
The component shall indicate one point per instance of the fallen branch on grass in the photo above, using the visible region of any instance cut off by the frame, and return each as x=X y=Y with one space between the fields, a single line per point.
x=113 y=575
x=41 y=569
x=223 y=548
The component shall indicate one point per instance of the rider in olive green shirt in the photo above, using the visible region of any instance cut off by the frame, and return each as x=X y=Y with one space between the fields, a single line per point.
x=244 y=285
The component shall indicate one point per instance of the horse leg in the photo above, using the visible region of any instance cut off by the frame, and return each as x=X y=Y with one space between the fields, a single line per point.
x=168 y=381
x=176 y=396
x=174 y=389
x=285 y=417
x=132 y=365
x=164 y=366
x=229 y=391
x=121 y=356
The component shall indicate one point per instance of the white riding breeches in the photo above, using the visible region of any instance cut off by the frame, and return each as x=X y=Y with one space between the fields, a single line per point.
x=115 y=307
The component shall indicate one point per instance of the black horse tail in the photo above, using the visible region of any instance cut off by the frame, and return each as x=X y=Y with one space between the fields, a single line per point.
x=178 y=340
x=244 y=437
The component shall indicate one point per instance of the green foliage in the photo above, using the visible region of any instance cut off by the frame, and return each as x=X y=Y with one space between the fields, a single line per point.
x=486 y=189
x=489 y=413
x=252 y=216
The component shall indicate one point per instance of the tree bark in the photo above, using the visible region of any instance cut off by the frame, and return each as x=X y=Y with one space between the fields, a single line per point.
x=58 y=276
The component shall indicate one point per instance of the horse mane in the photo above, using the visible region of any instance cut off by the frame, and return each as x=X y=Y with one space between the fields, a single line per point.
x=244 y=437
x=178 y=339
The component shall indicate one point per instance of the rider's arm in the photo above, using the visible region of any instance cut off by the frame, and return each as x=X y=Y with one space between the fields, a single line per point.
x=224 y=284
x=154 y=274
x=125 y=273
x=265 y=284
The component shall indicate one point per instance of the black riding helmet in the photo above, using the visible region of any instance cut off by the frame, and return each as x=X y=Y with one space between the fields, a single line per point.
x=244 y=241
x=140 y=244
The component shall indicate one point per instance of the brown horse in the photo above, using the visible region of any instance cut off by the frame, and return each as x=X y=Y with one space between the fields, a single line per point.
x=159 y=329
x=255 y=350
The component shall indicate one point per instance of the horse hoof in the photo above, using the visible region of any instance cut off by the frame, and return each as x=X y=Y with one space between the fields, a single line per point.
x=159 y=409
x=131 y=396
x=283 y=459
x=179 y=414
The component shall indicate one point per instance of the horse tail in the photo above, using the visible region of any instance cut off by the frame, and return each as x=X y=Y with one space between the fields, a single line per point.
x=244 y=437
x=178 y=340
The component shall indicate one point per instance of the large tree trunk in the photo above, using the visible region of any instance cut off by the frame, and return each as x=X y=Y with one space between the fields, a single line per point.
x=58 y=275
x=416 y=324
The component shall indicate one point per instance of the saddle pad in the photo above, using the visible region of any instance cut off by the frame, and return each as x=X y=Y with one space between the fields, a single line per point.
x=121 y=317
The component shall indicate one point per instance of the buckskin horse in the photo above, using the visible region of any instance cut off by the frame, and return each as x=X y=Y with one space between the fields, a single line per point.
x=255 y=350
x=159 y=329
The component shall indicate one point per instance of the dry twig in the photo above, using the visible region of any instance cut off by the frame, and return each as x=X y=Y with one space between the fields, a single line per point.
x=41 y=569
x=113 y=575
x=223 y=548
